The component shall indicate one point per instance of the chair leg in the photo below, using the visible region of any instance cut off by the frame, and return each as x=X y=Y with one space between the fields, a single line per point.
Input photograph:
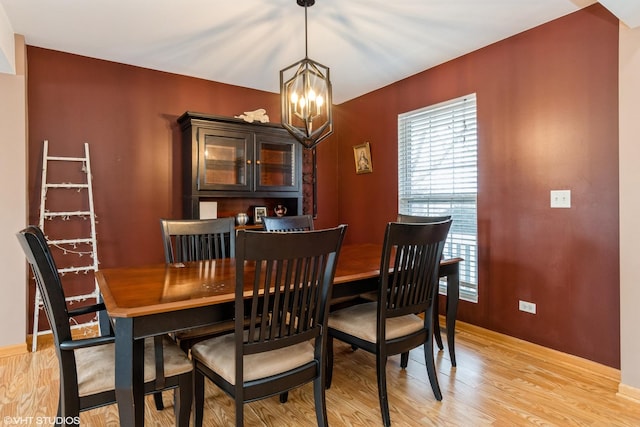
x=319 y=398
x=64 y=415
x=431 y=368
x=381 y=363
x=284 y=397
x=436 y=323
x=404 y=360
x=329 y=366
x=198 y=398
x=183 y=400
x=239 y=410
x=70 y=410
x=157 y=398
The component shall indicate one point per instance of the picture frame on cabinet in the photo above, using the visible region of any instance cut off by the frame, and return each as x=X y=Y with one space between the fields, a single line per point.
x=362 y=157
x=258 y=213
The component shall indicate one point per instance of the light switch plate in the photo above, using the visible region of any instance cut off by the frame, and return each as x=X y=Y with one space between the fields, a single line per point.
x=560 y=198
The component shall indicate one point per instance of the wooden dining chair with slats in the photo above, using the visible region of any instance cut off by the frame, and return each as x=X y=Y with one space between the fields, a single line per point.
x=413 y=219
x=87 y=366
x=186 y=240
x=288 y=223
x=391 y=324
x=284 y=345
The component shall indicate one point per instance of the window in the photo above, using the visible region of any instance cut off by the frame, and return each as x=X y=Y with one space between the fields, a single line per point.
x=438 y=175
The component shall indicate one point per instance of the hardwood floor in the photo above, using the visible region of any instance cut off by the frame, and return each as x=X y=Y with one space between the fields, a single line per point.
x=499 y=381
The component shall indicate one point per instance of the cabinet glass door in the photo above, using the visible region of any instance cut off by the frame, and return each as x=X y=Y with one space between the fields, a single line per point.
x=226 y=163
x=277 y=164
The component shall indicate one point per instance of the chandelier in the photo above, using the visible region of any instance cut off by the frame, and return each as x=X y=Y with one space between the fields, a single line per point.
x=305 y=96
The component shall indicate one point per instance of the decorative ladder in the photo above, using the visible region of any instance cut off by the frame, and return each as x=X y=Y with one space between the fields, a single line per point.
x=69 y=245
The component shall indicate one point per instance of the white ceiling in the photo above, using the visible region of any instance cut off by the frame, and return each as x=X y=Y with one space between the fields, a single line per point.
x=367 y=44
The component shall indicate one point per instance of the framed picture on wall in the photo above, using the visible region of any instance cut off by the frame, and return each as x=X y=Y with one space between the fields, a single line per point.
x=258 y=213
x=362 y=157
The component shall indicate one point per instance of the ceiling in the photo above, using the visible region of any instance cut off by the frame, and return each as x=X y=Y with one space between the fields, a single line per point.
x=367 y=44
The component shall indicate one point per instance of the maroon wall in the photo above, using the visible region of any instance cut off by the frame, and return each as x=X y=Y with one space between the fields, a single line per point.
x=548 y=120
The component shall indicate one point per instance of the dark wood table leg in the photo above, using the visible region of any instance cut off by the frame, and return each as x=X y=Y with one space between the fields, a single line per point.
x=104 y=323
x=453 y=294
x=129 y=374
x=436 y=321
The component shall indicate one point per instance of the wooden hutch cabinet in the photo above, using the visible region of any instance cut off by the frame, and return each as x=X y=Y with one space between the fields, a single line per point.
x=239 y=165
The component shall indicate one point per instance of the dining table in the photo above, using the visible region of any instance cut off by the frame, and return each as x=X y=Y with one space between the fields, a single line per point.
x=152 y=300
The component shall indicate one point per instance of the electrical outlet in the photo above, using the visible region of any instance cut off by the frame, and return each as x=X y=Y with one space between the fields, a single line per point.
x=528 y=307
x=560 y=198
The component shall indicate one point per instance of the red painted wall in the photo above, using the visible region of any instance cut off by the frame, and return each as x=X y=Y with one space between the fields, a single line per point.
x=548 y=120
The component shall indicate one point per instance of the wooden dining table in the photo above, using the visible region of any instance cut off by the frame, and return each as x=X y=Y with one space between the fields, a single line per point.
x=157 y=299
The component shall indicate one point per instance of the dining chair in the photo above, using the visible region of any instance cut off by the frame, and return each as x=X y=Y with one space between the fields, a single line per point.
x=198 y=239
x=287 y=280
x=87 y=366
x=187 y=240
x=391 y=324
x=195 y=240
x=436 y=323
x=288 y=223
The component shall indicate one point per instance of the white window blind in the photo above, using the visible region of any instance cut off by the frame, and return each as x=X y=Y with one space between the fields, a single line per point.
x=438 y=175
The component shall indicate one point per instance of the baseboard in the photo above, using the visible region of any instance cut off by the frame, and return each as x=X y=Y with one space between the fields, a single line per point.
x=629 y=392
x=13 y=350
x=569 y=359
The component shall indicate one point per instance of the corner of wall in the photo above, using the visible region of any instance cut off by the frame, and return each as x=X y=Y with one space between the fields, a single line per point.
x=629 y=128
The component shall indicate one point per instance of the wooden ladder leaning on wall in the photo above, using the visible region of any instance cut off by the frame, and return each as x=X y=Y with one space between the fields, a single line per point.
x=65 y=241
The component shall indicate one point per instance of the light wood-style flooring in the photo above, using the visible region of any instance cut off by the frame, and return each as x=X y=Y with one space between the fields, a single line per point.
x=499 y=381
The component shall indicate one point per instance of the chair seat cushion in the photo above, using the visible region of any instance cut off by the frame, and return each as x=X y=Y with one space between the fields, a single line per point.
x=96 y=365
x=360 y=321
x=218 y=354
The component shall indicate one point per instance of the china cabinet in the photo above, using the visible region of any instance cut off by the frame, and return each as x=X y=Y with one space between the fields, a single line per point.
x=239 y=165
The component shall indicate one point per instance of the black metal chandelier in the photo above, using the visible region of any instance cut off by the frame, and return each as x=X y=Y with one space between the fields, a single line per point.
x=305 y=96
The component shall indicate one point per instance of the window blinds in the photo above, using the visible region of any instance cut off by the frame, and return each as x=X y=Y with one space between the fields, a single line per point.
x=438 y=175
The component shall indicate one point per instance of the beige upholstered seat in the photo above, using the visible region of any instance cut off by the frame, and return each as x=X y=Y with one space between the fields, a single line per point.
x=218 y=354
x=96 y=365
x=361 y=321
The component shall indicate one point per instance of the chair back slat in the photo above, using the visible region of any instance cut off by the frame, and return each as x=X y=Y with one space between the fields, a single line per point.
x=415 y=249
x=198 y=239
x=288 y=223
x=291 y=284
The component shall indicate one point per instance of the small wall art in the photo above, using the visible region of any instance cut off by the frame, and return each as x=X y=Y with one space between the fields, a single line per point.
x=362 y=157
